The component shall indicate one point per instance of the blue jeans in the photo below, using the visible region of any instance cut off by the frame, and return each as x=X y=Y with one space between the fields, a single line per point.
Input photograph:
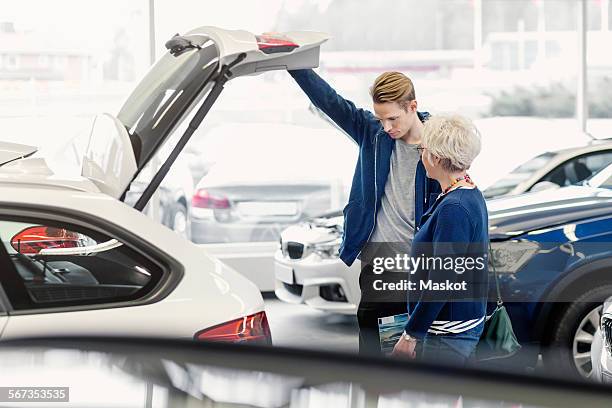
x=452 y=350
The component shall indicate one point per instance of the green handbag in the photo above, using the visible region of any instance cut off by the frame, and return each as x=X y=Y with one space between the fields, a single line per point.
x=498 y=339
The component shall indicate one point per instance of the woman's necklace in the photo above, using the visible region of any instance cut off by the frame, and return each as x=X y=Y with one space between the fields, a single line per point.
x=465 y=178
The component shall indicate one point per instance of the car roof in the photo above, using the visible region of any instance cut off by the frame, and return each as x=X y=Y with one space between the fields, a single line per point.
x=37 y=173
x=594 y=146
x=55 y=194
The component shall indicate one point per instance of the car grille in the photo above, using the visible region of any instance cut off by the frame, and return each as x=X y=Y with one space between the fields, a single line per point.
x=294 y=250
x=606 y=330
x=332 y=293
x=294 y=289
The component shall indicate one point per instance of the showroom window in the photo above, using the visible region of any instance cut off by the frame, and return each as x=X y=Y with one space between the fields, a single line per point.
x=54 y=265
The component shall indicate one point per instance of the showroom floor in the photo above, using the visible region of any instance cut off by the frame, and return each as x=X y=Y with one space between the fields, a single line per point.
x=302 y=327
x=299 y=326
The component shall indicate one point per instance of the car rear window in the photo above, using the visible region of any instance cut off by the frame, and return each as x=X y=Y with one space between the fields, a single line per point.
x=58 y=265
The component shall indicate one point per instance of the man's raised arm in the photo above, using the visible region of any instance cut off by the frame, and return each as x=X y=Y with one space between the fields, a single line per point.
x=356 y=122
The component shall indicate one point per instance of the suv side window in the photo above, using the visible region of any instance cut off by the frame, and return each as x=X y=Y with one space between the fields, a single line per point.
x=578 y=169
x=56 y=265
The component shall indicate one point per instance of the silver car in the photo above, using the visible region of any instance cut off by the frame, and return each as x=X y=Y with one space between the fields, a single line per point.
x=280 y=175
x=554 y=169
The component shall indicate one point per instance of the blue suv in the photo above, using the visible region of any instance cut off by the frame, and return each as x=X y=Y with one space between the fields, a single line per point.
x=553 y=254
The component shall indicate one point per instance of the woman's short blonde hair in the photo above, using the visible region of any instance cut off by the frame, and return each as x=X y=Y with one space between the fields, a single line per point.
x=452 y=138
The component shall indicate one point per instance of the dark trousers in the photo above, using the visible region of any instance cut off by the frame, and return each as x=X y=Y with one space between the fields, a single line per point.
x=437 y=351
x=374 y=305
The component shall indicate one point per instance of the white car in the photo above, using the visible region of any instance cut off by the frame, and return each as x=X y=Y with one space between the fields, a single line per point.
x=554 y=169
x=308 y=270
x=77 y=260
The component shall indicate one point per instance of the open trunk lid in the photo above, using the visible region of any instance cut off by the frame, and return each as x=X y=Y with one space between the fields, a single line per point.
x=194 y=69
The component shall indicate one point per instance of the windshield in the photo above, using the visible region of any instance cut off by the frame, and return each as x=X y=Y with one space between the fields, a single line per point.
x=518 y=175
x=165 y=96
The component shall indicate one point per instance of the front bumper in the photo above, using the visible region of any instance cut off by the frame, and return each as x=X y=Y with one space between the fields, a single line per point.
x=323 y=284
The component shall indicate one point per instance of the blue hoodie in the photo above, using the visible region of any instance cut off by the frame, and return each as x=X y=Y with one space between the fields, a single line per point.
x=373 y=163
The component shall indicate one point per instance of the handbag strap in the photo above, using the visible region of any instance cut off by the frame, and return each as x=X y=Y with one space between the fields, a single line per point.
x=499 y=297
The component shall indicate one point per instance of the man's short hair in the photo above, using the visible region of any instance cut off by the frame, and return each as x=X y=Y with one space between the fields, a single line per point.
x=452 y=138
x=392 y=87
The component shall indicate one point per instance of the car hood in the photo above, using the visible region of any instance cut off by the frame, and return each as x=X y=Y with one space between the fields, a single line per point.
x=513 y=216
x=14 y=151
x=316 y=230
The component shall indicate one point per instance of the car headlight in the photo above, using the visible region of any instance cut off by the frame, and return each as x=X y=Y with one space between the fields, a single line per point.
x=511 y=256
x=328 y=250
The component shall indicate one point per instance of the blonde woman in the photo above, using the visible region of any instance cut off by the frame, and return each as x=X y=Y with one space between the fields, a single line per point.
x=453 y=236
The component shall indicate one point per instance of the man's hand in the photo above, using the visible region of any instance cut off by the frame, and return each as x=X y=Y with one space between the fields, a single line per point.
x=404 y=348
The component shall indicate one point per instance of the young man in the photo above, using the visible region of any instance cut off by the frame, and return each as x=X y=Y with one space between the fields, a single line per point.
x=390 y=189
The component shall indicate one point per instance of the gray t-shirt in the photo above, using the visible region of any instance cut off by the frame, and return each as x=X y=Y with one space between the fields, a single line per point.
x=395 y=217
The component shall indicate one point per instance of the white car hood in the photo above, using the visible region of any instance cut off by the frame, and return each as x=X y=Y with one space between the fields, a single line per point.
x=318 y=230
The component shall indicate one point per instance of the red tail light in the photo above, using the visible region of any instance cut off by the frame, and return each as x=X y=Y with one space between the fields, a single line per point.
x=252 y=329
x=270 y=44
x=202 y=199
x=32 y=239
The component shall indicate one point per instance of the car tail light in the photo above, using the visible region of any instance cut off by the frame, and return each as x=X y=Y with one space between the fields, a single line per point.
x=252 y=329
x=203 y=199
x=270 y=44
x=33 y=239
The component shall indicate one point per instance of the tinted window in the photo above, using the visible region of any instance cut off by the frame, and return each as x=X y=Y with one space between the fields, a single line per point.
x=578 y=169
x=55 y=265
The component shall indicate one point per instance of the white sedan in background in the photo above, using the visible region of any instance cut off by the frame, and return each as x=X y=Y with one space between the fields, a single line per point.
x=308 y=270
x=79 y=261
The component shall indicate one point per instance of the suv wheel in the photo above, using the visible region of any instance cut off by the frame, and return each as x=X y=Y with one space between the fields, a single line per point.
x=569 y=351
